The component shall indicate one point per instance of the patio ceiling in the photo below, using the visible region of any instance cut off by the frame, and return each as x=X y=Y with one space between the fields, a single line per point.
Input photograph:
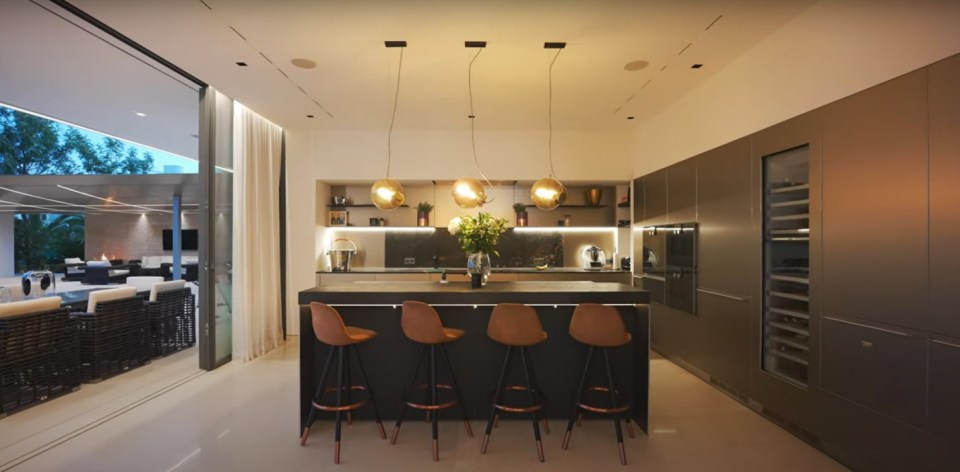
x=131 y=194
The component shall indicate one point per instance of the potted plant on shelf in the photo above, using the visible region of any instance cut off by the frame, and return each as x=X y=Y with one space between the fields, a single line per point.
x=423 y=213
x=521 y=210
x=479 y=237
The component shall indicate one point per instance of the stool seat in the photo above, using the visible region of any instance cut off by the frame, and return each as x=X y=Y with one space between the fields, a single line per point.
x=453 y=334
x=359 y=335
x=514 y=324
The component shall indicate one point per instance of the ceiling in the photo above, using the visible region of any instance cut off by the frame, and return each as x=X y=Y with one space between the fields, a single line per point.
x=133 y=194
x=352 y=85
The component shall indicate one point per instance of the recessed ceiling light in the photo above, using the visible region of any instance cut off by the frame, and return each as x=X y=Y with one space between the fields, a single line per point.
x=631 y=117
x=140 y=114
x=696 y=66
x=636 y=65
x=309 y=116
x=241 y=64
x=303 y=63
x=194 y=135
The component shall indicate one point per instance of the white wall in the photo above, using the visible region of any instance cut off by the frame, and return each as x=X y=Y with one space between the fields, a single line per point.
x=6 y=245
x=832 y=50
x=301 y=229
x=579 y=155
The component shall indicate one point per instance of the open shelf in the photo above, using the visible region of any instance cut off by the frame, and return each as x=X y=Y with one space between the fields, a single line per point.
x=791 y=327
x=572 y=206
x=790 y=188
x=789 y=278
x=791 y=357
x=790 y=313
x=360 y=205
x=792 y=203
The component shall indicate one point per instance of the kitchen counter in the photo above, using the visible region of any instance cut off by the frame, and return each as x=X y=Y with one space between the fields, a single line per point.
x=390 y=356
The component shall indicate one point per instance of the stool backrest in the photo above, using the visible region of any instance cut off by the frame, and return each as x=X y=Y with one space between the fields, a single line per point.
x=421 y=323
x=514 y=324
x=328 y=325
x=598 y=325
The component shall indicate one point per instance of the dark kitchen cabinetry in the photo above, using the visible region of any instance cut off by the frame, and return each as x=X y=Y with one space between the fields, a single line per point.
x=655 y=198
x=682 y=191
x=881 y=368
x=944 y=105
x=944 y=407
x=638 y=199
x=874 y=199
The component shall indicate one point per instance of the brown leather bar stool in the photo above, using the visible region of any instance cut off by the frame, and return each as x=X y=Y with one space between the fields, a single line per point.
x=517 y=327
x=599 y=326
x=329 y=329
x=421 y=323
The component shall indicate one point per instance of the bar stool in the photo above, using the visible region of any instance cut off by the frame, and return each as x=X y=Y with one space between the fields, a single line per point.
x=329 y=329
x=517 y=327
x=421 y=323
x=599 y=326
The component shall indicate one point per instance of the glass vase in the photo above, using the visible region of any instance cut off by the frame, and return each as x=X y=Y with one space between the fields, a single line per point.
x=478 y=263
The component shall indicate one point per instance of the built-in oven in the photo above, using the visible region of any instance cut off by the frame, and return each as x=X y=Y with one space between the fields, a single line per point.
x=670 y=265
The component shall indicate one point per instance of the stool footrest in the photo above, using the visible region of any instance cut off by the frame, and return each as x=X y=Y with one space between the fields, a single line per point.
x=348 y=407
x=429 y=406
x=513 y=408
x=622 y=405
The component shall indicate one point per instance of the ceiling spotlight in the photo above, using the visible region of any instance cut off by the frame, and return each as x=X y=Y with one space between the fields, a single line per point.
x=140 y=114
x=309 y=116
x=242 y=64
x=636 y=65
x=303 y=63
x=696 y=66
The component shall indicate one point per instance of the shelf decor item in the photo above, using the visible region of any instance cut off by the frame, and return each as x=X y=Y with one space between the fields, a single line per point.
x=548 y=193
x=479 y=237
x=423 y=213
x=521 y=210
x=339 y=218
x=594 y=195
x=387 y=194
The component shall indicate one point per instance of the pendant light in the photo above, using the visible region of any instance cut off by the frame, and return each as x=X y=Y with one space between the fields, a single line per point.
x=548 y=193
x=386 y=193
x=468 y=192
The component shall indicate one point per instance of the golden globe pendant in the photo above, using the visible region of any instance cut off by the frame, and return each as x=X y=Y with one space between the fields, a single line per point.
x=469 y=193
x=387 y=194
x=548 y=193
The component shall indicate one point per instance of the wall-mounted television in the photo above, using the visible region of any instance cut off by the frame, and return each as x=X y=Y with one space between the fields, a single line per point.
x=189 y=239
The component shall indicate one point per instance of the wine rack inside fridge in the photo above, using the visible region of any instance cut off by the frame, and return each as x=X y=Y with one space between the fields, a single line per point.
x=786 y=278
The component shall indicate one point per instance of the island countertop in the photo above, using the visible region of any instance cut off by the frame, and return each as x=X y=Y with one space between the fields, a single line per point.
x=532 y=292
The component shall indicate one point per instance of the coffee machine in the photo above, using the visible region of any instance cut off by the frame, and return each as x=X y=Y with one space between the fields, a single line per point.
x=593 y=258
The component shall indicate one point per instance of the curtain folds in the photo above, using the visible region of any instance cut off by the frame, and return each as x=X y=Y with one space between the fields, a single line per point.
x=257 y=327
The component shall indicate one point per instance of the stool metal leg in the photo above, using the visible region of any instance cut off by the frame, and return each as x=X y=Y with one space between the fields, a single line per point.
x=456 y=389
x=373 y=401
x=613 y=404
x=336 y=451
x=536 y=386
x=498 y=394
x=348 y=381
x=313 y=410
x=434 y=400
x=533 y=401
x=577 y=399
x=406 y=395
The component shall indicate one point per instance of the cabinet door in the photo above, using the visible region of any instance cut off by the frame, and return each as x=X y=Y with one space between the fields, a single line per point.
x=638 y=200
x=882 y=369
x=682 y=192
x=945 y=196
x=875 y=202
x=728 y=248
x=944 y=413
x=655 y=198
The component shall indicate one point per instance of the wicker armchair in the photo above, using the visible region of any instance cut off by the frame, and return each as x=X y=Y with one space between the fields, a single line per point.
x=114 y=334
x=39 y=353
x=171 y=313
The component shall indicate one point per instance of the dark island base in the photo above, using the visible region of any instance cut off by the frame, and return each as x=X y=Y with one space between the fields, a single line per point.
x=558 y=362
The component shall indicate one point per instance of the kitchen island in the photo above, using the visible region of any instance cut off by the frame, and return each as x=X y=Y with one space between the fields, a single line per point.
x=390 y=357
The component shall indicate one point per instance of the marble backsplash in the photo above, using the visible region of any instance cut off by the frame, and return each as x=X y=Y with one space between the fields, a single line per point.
x=441 y=249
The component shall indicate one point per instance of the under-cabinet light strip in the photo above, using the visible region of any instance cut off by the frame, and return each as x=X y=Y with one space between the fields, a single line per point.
x=565 y=229
x=474 y=305
x=375 y=229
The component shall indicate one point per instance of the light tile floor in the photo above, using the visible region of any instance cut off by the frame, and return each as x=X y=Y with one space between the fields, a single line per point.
x=243 y=417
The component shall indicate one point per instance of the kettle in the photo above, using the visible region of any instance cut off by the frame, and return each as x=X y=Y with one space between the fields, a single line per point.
x=593 y=258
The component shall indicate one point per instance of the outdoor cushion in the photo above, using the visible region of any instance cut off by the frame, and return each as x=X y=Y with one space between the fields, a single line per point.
x=98 y=264
x=108 y=295
x=73 y=260
x=142 y=284
x=38 y=305
x=165 y=287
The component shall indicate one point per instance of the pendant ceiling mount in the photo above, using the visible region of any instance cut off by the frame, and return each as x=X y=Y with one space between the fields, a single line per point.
x=469 y=192
x=548 y=193
x=387 y=193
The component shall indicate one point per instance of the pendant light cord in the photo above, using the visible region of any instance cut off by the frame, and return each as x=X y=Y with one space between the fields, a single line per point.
x=550 y=114
x=473 y=133
x=393 y=117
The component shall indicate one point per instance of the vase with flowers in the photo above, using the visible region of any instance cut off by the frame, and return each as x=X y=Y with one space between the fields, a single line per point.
x=478 y=235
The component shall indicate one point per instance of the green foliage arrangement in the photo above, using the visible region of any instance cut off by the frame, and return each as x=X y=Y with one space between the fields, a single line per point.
x=480 y=233
x=425 y=207
x=519 y=208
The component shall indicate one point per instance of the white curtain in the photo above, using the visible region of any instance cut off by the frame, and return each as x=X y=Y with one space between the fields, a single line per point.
x=257 y=325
